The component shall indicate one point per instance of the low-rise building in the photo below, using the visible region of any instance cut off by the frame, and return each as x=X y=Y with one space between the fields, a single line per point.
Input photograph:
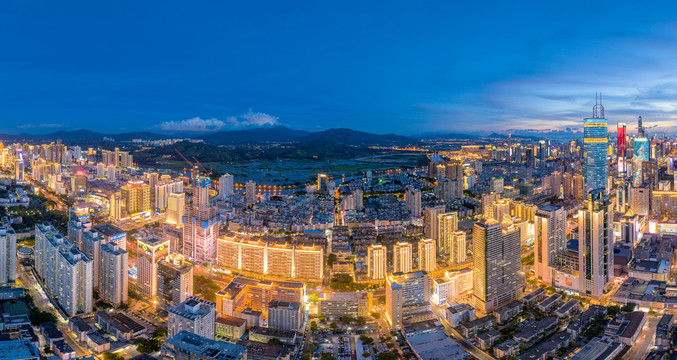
x=487 y=339
x=51 y=333
x=459 y=313
x=506 y=348
x=335 y=305
x=195 y=315
x=664 y=331
x=579 y=324
x=285 y=315
x=229 y=327
x=568 y=308
x=471 y=328
x=262 y=351
x=550 y=303
x=599 y=349
x=188 y=346
x=19 y=349
x=264 y=334
x=626 y=327
x=536 y=330
x=533 y=297
x=508 y=311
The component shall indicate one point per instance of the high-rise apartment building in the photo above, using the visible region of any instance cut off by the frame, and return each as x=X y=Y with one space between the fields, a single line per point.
x=115 y=207
x=430 y=222
x=376 y=262
x=402 y=257
x=201 y=225
x=496 y=264
x=427 y=255
x=413 y=199
x=595 y=143
x=7 y=255
x=150 y=250
x=175 y=281
x=112 y=274
x=164 y=189
x=250 y=192
x=176 y=205
x=136 y=197
x=91 y=246
x=406 y=295
x=595 y=244
x=75 y=289
x=225 y=186
x=194 y=315
x=459 y=248
x=550 y=239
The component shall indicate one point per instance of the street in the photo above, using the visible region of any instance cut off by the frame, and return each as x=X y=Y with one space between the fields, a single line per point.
x=645 y=340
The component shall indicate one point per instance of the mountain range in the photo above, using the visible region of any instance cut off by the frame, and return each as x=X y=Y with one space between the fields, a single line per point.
x=279 y=134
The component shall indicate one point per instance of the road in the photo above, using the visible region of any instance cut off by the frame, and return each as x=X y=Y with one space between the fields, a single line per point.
x=645 y=341
x=460 y=340
x=40 y=300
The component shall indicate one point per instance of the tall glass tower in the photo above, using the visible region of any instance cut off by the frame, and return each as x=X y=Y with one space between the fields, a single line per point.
x=595 y=147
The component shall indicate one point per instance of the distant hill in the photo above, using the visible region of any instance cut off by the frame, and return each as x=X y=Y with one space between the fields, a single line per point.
x=352 y=137
x=278 y=134
x=253 y=136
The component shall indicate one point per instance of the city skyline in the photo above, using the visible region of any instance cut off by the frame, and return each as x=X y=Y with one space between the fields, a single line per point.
x=209 y=69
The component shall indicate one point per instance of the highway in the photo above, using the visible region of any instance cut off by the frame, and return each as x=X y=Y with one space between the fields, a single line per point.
x=460 y=340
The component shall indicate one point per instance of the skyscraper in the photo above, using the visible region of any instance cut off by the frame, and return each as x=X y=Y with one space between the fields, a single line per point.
x=430 y=222
x=201 y=226
x=550 y=239
x=175 y=281
x=250 y=192
x=595 y=244
x=402 y=257
x=176 y=205
x=112 y=274
x=225 y=186
x=413 y=199
x=621 y=146
x=427 y=255
x=150 y=250
x=376 y=258
x=595 y=143
x=496 y=264
x=447 y=225
x=7 y=255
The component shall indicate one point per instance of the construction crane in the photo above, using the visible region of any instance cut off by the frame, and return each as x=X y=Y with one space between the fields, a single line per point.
x=207 y=172
x=193 y=167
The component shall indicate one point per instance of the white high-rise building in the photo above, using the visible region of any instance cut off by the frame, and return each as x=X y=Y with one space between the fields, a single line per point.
x=201 y=226
x=459 y=250
x=376 y=257
x=427 y=255
x=91 y=246
x=164 y=189
x=250 y=192
x=194 y=315
x=7 y=255
x=113 y=283
x=447 y=225
x=550 y=239
x=406 y=295
x=226 y=182
x=75 y=282
x=413 y=199
x=402 y=257
x=595 y=244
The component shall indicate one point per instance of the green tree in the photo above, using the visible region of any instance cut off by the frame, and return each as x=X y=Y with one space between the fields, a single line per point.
x=112 y=356
x=333 y=326
x=327 y=356
x=367 y=340
x=313 y=326
x=39 y=317
x=388 y=355
x=376 y=315
x=275 y=341
x=160 y=332
x=147 y=346
x=330 y=259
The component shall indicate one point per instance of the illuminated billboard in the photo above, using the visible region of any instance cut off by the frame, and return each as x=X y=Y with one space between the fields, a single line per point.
x=641 y=147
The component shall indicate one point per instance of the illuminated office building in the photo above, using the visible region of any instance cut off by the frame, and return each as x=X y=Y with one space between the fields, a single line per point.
x=176 y=205
x=595 y=244
x=201 y=225
x=136 y=197
x=550 y=239
x=175 y=281
x=150 y=250
x=595 y=143
x=621 y=146
x=406 y=295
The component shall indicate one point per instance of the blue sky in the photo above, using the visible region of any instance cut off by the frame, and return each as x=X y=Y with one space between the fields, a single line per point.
x=401 y=67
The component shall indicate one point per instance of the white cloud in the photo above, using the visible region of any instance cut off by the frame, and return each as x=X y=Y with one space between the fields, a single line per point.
x=196 y=124
x=41 y=126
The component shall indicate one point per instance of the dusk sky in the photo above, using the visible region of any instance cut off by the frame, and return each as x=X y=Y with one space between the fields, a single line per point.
x=402 y=67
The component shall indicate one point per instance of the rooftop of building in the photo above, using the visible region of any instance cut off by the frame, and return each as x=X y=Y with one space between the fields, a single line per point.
x=50 y=330
x=196 y=344
x=80 y=324
x=193 y=308
x=536 y=293
x=268 y=331
x=108 y=230
x=17 y=350
x=230 y=320
x=292 y=305
x=567 y=306
x=597 y=349
x=257 y=349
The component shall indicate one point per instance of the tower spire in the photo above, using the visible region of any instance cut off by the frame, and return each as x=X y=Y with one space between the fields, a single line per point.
x=598 y=109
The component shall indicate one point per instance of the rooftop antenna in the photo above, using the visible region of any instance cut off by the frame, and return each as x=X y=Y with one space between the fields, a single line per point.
x=598 y=109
